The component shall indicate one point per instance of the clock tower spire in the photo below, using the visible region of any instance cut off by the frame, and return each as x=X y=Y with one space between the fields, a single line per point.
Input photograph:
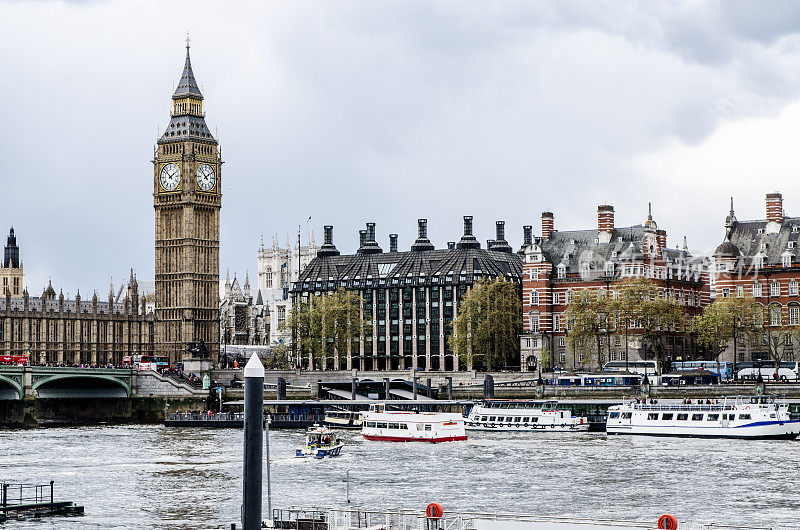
x=187 y=171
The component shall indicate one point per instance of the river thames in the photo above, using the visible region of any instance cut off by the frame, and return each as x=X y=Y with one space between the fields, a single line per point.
x=152 y=476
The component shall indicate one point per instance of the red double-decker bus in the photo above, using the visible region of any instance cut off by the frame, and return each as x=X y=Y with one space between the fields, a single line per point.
x=14 y=360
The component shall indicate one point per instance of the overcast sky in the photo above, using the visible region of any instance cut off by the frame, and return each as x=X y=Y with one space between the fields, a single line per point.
x=385 y=111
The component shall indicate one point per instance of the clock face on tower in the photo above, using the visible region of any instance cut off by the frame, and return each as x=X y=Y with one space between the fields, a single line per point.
x=205 y=177
x=170 y=177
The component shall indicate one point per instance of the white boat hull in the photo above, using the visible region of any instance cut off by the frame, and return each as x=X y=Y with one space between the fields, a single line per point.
x=530 y=428
x=777 y=430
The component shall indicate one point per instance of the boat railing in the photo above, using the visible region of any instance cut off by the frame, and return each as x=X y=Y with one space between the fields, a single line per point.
x=205 y=416
x=404 y=519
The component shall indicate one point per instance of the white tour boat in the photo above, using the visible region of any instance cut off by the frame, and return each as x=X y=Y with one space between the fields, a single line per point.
x=405 y=426
x=320 y=442
x=730 y=417
x=343 y=419
x=512 y=415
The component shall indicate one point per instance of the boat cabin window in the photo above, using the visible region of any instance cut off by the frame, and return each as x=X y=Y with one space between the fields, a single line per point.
x=427 y=426
x=626 y=415
x=526 y=419
x=697 y=417
x=518 y=419
x=713 y=417
x=652 y=416
x=492 y=418
x=403 y=426
x=371 y=424
x=484 y=418
x=381 y=425
x=394 y=426
x=613 y=414
x=535 y=419
x=744 y=416
x=666 y=416
x=683 y=417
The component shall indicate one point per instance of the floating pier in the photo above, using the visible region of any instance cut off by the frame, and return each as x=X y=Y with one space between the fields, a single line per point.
x=26 y=501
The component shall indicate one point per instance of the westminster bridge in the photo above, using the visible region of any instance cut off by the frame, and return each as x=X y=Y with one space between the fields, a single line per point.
x=17 y=382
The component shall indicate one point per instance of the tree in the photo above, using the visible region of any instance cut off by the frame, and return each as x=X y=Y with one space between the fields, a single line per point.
x=485 y=333
x=324 y=326
x=589 y=319
x=640 y=302
x=724 y=320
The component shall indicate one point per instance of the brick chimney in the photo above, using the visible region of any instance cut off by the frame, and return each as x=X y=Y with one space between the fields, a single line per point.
x=775 y=207
x=605 y=223
x=661 y=235
x=392 y=242
x=547 y=224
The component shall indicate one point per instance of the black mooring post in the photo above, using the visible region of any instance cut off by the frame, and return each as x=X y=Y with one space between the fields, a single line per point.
x=428 y=390
x=388 y=387
x=416 y=380
x=253 y=443
x=51 y=492
x=488 y=387
x=354 y=388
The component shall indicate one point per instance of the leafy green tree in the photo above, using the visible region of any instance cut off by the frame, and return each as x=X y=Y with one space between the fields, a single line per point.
x=655 y=316
x=485 y=333
x=724 y=320
x=589 y=322
x=323 y=326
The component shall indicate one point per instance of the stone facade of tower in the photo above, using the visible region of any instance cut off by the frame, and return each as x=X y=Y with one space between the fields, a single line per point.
x=244 y=319
x=11 y=269
x=187 y=198
x=278 y=267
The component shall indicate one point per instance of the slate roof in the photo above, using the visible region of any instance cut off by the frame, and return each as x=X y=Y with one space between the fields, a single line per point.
x=187 y=126
x=187 y=86
x=444 y=266
x=573 y=247
x=745 y=237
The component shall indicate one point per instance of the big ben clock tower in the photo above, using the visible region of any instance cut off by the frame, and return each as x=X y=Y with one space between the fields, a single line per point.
x=187 y=171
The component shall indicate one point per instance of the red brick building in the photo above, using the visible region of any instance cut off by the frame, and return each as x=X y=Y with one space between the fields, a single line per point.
x=760 y=259
x=559 y=264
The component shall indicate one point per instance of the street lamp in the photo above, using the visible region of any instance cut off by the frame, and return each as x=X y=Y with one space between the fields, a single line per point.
x=735 y=322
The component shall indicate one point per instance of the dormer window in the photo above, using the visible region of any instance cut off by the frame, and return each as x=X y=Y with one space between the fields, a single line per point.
x=790 y=244
x=794 y=229
x=613 y=253
x=585 y=270
x=561 y=272
x=609 y=269
x=786 y=260
x=619 y=239
x=758 y=262
x=760 y=230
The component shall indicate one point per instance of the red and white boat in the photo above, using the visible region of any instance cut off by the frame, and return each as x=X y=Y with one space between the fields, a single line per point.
x=406 y=426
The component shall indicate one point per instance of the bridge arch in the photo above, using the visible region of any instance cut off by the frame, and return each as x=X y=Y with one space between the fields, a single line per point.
x=81 y=385
x=11 y=387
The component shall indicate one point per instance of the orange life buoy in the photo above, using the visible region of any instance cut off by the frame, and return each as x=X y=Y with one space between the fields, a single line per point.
x=667 y=522
x=434 y=511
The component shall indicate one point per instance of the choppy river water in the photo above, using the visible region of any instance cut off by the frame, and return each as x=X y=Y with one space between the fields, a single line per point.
x=152 y=476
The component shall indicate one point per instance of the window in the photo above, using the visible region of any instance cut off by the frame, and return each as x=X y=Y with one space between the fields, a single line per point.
x=726 y=292
x=562 y=272
x=556 y=322
x=617 y=340
x=534 y=274
x=775 y=315
x=535 y=323
x=585 y=270
x=626 y=415
x=792 y=287
x=744 y=416
x=786 y=260
x=757 y=290
x=569 y=296
x=427 y=426
x=758 y=262
x=535 y=342
x=794 y=315
x=775 y=289
x=697 y=417
x=534 y=297
x=281 y=316
x=555 y=298
x=713 y=417
x=683 y=417
x=739 y=291
x=652 y=416
x=562 y=358
x=613 y=415
x=562 y=342
x=666 y=417
x=609 y=269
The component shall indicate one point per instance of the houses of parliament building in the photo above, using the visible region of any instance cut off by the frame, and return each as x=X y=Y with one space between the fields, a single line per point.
x=51 y=329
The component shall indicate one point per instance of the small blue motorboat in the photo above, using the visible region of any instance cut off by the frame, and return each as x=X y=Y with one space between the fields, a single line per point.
x=320 y=442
